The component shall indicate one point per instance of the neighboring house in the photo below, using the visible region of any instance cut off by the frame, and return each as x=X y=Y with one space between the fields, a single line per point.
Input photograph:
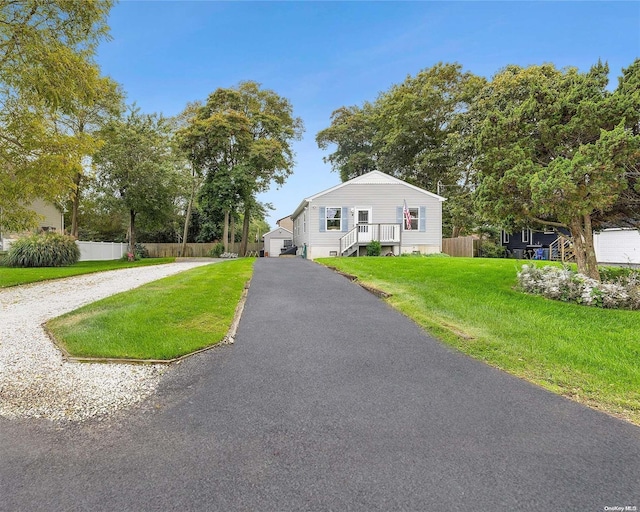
x=615 y=245
x=286 y=223
x=277 y=240
x=525 y=243
x=51 y=218
x=342 y=220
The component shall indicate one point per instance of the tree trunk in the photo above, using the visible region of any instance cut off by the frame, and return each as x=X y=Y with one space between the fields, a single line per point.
x=583 y=248
x=455 y=232
x=245 y=231
x=592 y=261
x=132 y=232
x=225 y=231
x=233 y=231
x=75 y=205
x=185 y=233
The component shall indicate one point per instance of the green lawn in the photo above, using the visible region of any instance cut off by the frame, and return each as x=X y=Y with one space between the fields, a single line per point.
x=161 y=320
x=590 y=355
x=10 y=276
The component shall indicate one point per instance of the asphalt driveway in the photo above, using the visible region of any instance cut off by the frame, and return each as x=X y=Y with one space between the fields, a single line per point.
x=329 y=400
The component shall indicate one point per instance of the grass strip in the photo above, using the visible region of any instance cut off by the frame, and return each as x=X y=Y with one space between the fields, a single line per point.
x=161 y=320
x=12 y=276
x=588 y=354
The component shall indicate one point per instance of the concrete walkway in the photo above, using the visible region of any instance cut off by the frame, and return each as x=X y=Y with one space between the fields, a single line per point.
x=329 y=400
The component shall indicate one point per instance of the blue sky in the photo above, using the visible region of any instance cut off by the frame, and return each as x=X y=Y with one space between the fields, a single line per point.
x=324 y=55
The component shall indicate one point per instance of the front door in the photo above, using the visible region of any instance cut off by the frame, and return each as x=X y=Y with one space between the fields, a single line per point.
x=363 y=219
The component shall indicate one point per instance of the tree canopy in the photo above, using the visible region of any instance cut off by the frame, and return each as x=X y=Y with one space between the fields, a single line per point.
x=241 y=139
x=46 y=51
x=414 y=131
x=135 y=166
x=558 y=149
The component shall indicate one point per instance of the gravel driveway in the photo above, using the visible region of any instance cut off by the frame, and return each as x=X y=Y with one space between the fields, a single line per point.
x=34 y=379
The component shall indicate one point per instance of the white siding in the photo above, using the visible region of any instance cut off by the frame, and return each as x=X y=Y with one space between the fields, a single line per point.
x=618 y=246
x=384 y=200
x=301 y=230
x=51 y=216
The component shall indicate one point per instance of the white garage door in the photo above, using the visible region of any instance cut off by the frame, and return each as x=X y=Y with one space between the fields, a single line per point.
x=618 y=246
x=275 y=244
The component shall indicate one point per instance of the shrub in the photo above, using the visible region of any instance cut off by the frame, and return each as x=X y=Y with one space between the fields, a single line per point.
x=374 y=248
x=614 y=273
x=623 y=292
x=140 y=251
x=217 y=250
x=490 y=249
x=129 y=256
x=43 y=250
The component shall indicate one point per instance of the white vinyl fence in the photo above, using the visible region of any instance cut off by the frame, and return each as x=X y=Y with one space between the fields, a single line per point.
x=93 y=251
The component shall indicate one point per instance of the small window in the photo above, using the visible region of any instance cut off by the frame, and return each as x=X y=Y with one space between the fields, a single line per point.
x=414 y=213
x=304 y=222
x=288 y=243
x=526 y=236
x=505 y=237
x=333 y=219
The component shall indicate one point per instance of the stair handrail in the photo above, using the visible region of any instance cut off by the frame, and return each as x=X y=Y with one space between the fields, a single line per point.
x=349 y=240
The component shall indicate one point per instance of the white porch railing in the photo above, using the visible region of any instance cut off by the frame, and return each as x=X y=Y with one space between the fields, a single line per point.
x=362 y=234
x=348 y=240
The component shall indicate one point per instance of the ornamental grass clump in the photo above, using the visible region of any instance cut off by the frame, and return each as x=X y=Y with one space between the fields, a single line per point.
x=622 y=292
x=43 y=250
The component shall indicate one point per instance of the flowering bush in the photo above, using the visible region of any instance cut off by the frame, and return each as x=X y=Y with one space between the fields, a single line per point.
x=563 y=284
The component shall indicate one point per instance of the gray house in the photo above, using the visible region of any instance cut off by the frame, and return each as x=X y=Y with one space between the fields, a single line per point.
x=342 y=220
x=276 y=240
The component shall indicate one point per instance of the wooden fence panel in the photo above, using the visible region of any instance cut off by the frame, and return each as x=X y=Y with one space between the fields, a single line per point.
x=463 y=247
x=192 y=250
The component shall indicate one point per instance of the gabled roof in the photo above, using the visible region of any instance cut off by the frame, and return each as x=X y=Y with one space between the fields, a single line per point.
x=277 y=229
x=373 y=177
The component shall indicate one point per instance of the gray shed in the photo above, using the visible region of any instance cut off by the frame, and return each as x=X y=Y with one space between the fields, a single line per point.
x=276 y=240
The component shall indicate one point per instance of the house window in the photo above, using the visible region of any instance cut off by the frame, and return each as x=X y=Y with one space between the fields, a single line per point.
x=527 y=236
x=333 y=219
x=505 y=237
x=304 y=222
x=415 y=219
x=288 y=243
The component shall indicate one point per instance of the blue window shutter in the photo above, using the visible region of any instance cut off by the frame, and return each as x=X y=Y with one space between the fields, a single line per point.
x=423 y=219
x=323 y=219
x=345 y=219
x=399 y=215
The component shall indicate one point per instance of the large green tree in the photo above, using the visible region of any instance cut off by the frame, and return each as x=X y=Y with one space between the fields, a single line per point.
x=46 y=65
x=559 y=149
x=135 y=166
x=242 y=139
x=81 y=121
